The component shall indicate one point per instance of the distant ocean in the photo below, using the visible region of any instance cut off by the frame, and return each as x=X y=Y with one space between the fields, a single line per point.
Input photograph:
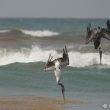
x=25 y=45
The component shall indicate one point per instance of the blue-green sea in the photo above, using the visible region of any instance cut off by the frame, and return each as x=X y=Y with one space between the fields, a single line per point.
x=25 y=45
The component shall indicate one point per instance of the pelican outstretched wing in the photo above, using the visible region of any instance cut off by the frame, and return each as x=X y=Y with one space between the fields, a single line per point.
x=106 y=36
x=90 y=38
x=65 y=57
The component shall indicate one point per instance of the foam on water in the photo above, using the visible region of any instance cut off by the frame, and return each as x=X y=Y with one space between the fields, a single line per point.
x=34 y=33
x=40 y=33
x=36 y=54
x=78 y=59
x=25 y=55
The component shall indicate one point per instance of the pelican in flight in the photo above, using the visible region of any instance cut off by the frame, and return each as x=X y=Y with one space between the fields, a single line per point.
x=94 y=35
x=56 y=65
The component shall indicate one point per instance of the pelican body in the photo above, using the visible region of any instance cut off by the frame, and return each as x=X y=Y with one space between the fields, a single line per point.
x=96 y=34
x=56 y=65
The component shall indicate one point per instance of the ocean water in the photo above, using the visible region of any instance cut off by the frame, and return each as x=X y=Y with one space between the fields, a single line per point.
x=25 y=45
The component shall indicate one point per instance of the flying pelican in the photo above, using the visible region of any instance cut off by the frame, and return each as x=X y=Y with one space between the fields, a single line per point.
x=56 y=65
x=96 y=34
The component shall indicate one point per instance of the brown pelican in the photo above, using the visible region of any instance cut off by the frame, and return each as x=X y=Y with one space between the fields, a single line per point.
x=96 y=34
x=56 y=65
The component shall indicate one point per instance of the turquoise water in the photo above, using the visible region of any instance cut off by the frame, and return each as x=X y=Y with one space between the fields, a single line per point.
x=60 y=25
x=25 y=45
x=30 y=80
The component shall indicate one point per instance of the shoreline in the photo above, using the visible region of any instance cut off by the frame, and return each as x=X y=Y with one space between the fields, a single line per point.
x=35 y=103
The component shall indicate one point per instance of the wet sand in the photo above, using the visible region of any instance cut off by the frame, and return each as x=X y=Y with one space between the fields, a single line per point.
x=35 y=103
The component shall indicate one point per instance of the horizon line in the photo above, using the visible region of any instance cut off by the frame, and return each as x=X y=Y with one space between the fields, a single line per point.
x=54 y=17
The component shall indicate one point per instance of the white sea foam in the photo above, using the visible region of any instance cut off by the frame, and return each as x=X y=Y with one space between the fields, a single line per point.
x=40 y=33
x=34 y=33
x=78 y=59
x=25 y=55
x=36 y=54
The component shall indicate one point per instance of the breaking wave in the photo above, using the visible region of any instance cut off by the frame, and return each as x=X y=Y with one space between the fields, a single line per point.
x=39 y=33
x=78 y=59
x=24 y=55
x=36 y=54
x=34 y=33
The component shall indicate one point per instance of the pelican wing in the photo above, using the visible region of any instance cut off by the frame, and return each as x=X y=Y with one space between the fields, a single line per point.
x=90 y=39
x=65 y=58
x=93 y=34
x=106 y=36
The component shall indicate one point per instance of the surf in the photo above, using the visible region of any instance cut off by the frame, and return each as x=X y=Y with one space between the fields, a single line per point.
x=40 y=33
x=33 y=33
x=36 y=54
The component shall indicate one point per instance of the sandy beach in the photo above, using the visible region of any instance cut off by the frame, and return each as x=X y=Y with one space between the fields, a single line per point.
x=35 y=103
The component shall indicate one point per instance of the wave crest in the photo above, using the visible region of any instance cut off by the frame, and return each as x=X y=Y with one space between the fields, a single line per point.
x=39 y=33
x=24 y=55
x=34 y=33
x=36 y=54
